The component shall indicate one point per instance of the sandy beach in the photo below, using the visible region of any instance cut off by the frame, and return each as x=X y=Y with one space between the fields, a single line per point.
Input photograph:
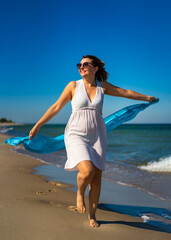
x=34 y=208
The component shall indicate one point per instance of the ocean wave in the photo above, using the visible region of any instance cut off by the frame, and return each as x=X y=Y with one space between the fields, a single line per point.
x=6 y=129
x=163 y=165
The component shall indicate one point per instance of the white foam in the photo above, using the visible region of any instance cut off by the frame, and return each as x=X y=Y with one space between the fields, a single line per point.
x=4 y=130
x=124 y=184
x=163 y=165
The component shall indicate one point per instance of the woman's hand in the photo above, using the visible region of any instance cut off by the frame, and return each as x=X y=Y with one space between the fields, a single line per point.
x=33 y=132
x=152 y=99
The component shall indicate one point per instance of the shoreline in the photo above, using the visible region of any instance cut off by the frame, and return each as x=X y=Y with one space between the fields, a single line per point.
x=36 y=208
x=11 y=124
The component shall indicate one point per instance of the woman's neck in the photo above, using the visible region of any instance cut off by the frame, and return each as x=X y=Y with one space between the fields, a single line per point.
x=90 y=81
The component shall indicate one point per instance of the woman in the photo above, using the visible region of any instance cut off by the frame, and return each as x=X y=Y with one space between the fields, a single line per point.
x=85 y=133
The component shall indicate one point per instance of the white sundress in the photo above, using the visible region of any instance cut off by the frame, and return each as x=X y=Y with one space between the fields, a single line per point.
x=85 y=135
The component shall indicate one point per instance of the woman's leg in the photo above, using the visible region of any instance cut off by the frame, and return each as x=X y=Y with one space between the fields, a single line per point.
x=84 y=177
x=94 y=194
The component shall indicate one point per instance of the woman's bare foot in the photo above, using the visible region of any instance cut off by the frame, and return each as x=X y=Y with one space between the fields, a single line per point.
x=80 y=203
x=93 y=222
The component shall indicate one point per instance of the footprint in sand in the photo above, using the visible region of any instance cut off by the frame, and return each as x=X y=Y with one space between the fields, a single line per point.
x=41 y=193
x=56 y=204
x=72 y=208
x=56 y=184
x=52 y=190
x=24 y=169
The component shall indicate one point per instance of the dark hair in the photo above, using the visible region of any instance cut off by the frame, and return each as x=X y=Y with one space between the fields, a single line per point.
x=101 y=74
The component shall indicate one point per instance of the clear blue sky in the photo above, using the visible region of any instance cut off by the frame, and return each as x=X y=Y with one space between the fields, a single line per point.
x=42 y=41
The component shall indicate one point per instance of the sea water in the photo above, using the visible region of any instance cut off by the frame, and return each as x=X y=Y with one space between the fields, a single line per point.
x=138 y=156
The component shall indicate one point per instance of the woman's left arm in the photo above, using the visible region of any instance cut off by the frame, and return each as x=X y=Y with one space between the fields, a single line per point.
x=113 y=90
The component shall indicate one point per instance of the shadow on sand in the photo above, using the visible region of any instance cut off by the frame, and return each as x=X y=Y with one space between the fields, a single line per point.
x=158 y=219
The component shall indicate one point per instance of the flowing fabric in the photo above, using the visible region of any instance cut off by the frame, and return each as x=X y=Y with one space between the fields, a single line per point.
x=45 y=144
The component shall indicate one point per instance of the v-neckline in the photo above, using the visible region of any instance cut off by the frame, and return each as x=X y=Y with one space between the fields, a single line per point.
x=87 y=93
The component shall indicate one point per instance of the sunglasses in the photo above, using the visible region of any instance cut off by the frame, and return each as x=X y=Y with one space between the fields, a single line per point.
x=85 y=64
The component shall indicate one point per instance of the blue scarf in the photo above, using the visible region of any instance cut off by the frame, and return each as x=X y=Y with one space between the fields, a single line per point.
x=45 y=144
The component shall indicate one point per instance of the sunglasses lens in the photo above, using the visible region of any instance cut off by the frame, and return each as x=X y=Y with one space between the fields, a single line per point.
x=78 y=65
x=85 y=64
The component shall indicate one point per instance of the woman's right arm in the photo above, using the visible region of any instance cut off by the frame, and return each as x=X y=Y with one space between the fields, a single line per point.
x=54 y=109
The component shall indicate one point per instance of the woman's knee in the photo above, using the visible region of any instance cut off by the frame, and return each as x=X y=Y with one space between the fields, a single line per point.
x=86 y=170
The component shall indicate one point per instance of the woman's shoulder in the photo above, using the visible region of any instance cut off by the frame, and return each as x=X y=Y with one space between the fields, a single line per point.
x=103 y=85
x=73 y=84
